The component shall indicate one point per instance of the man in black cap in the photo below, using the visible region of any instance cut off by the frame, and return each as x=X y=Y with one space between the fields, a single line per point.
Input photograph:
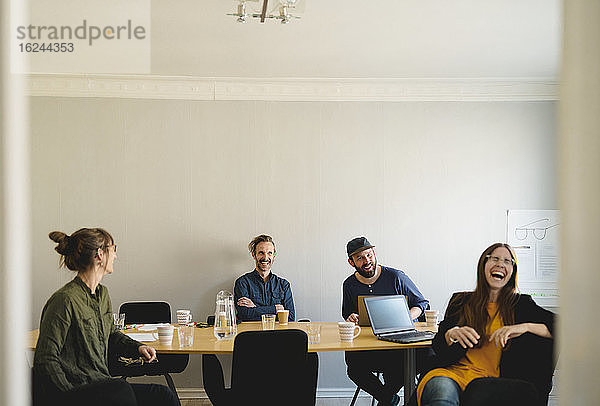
x=370 y=278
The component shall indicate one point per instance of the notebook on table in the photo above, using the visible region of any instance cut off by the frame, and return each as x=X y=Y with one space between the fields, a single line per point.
x=390 y=320
x=363 y=316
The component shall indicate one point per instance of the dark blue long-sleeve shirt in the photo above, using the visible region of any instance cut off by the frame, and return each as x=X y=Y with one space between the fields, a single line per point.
x=390 y=282
x=265 y=295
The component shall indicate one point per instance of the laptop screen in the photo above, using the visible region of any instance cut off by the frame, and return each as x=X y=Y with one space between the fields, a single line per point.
x=388 y=314
x=363 y=316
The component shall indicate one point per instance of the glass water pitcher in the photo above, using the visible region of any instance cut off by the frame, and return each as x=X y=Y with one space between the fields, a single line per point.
x=225 y=324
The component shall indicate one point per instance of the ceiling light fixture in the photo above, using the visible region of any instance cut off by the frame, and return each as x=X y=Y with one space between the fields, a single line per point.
x=282 y=11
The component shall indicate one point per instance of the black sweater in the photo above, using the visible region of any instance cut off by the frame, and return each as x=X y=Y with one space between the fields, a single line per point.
x=529 y=357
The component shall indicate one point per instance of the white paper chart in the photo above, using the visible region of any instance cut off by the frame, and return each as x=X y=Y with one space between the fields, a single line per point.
x=534 y=234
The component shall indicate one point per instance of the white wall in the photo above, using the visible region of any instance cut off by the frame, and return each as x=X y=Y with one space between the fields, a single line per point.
x=351 y=38
x=184 y=185
x=356 y=38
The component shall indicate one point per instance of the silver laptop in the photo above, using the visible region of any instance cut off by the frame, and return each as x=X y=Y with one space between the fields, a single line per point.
x=390 y=320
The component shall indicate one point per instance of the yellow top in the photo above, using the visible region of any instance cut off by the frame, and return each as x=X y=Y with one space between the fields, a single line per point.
x=477 y=363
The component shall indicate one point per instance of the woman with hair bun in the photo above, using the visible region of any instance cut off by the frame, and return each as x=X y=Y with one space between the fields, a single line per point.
x=491 y=332
x=76 y=329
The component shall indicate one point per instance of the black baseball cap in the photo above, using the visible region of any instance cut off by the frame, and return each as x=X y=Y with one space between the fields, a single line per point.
x=356 y=245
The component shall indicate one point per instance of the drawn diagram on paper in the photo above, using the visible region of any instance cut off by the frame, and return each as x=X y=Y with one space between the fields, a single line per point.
x=534 y=234
x=538 y=229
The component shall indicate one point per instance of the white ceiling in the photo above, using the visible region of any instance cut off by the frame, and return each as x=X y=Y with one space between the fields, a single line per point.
x=373 y=39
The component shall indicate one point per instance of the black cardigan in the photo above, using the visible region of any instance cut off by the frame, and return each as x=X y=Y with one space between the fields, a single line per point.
x=529 y=357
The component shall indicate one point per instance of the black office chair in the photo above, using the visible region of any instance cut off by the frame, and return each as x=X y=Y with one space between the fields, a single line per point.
x=499 y=392
x=269 y=368
x=143 y=313
x=529 y=383
x=357 y=391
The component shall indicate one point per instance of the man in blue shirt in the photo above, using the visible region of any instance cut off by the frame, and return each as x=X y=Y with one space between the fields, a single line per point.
x=261 y=291
x=370 y=278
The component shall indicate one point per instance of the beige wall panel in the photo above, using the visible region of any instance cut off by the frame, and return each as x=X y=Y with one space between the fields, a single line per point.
x=579 y=182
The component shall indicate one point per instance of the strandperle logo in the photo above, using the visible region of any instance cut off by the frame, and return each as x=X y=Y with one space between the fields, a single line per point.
x=85 y=31
x=96 y=36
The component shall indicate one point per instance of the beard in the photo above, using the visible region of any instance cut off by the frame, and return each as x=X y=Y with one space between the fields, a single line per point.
x=367 y=273
x=263 y=265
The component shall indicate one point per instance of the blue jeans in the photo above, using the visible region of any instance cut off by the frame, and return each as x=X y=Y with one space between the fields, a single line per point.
x=440 y=391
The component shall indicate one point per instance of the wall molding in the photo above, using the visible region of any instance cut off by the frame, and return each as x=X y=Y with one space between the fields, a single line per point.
x=290 y=89
x=191 y=393
x=330 y=393
x=326 y=393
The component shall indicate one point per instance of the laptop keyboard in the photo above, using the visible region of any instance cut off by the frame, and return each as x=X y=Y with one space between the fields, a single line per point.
x=410 y=336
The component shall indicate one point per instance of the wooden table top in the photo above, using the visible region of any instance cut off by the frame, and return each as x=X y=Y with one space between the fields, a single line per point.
x=206 y=343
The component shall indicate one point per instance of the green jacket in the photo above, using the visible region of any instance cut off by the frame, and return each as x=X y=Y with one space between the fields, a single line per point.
x=76 y=325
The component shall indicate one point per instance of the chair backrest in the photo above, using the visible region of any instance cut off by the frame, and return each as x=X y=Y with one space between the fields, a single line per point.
x=146 y=312
x=142 y=313
x=531 y=358
x=271 y=366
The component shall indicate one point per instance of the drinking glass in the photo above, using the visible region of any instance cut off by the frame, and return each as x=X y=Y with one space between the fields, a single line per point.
x=314 y=333
x=268 y=322
x=119 y=320
x=186 y=336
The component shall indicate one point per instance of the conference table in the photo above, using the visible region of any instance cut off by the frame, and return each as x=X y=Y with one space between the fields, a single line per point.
x=206 y=343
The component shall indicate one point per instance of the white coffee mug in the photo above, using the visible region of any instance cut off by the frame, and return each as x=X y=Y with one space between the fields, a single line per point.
x=348 y=330
x=164 y=334
x=184 y=316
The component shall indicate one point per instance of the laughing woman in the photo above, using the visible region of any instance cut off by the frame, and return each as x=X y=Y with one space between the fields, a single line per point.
x=70 y=364
x=491 y=332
